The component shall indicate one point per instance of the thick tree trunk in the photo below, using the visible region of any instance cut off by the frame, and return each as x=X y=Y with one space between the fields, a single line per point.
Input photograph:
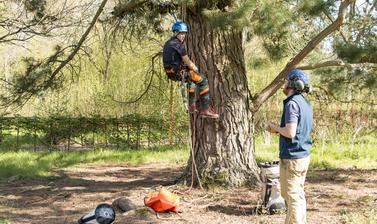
x=224 y=147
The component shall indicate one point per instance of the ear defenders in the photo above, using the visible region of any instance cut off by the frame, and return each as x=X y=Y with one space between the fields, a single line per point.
x=297 y=83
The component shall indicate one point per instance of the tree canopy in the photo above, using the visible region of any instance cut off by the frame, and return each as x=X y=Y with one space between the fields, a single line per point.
x=284 y=28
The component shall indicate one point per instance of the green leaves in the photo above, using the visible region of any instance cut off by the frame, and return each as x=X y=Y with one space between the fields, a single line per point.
x=360 y=45
x=273 y=21
x=353 y=53
x=314 y=7
x=343 y=83
x=33 y=79
x=235 y=17
x=38 y=7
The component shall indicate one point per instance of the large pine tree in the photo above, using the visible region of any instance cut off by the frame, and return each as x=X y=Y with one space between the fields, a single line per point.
x=223 y=148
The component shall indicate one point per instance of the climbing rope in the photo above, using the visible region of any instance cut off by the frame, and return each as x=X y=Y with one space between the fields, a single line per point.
x=183 y=91
x=194 y=169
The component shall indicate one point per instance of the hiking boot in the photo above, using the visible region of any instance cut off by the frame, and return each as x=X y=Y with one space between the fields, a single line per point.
x=209 y=112
x=193 y=108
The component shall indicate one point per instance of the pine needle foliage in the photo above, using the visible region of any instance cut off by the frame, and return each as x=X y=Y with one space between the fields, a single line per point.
x=360 y=45
x=37 y=7
x=272 y=22
x=236 y=17
x=366 y=53
x=315 y=7
x=33 y=79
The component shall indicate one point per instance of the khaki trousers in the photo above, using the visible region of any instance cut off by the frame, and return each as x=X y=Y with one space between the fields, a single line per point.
x=292 y=179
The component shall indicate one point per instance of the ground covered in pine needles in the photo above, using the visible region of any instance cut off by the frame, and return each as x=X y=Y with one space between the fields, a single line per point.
x=333 y=196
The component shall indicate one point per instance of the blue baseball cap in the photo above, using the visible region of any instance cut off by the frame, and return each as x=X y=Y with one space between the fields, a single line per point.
x=298 y=74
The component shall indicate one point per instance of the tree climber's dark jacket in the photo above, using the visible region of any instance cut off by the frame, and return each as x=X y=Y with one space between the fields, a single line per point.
x=173 y=52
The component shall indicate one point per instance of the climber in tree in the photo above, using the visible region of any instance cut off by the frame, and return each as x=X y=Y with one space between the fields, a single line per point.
x=178 y=65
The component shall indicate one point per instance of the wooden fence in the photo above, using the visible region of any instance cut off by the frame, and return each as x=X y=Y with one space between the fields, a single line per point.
x=132 y=131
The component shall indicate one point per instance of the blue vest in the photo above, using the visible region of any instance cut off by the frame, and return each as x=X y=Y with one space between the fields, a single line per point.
x=298 y=146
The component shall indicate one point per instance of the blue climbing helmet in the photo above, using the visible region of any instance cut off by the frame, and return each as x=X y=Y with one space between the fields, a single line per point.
x=180 y=27
x=299 y=80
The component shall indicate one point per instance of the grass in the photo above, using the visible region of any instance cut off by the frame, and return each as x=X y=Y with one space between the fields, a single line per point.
x=361 y=156
x=328 y=155
x=365 y=216
x=27 y=164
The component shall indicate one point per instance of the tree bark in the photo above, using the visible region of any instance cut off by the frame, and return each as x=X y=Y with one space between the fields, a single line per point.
x=223 y=148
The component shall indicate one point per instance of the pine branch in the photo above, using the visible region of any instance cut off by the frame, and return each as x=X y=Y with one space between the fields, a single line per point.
x=78 y=45
x=340 y=31
x=124 y=8
x=51 y=68
x=152 y=71
x=17 y=27
x=271 y=89
x=333 y=63
x=331 y=97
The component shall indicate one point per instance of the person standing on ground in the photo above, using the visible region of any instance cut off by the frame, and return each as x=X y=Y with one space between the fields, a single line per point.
x=294 y=145
x=178 y=65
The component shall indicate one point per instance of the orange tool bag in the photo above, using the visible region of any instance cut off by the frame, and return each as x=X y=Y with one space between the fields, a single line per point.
x=162 y=201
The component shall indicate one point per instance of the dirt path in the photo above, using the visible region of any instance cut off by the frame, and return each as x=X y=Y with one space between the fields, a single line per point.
x=80 y=189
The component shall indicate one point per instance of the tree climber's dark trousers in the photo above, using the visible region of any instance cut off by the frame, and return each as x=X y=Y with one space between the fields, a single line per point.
x=196 y=82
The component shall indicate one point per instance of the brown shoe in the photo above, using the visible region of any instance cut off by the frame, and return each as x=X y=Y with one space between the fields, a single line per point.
x=193 y=108
x=209 y=113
